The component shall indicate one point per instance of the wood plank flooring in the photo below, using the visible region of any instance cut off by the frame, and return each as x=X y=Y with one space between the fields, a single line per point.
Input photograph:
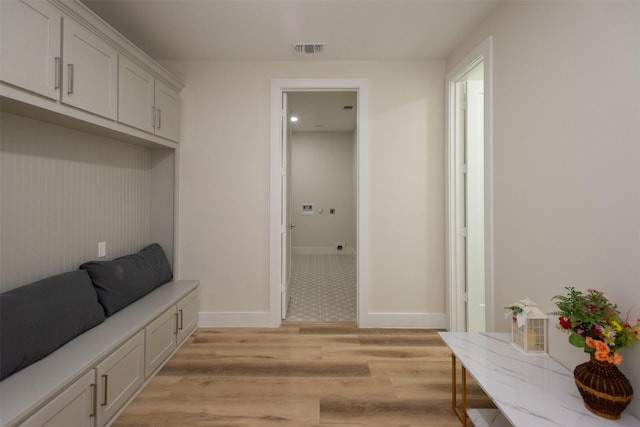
x=303 y=375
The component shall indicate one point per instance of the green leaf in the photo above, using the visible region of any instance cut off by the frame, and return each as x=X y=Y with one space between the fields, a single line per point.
x=577 y=340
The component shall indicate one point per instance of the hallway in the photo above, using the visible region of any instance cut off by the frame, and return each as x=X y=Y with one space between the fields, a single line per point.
x=323 y=288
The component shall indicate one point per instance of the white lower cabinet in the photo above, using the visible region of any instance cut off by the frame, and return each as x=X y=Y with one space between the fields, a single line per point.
x=119 y=377
x=187 y=315
x=75 y=406
x=164 y=334
x=160 y=340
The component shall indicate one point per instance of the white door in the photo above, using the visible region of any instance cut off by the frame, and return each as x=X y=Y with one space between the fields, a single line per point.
x=474 y=205
x=285 y=221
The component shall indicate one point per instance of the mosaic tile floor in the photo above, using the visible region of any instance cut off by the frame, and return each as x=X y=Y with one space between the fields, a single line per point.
x=323 y=288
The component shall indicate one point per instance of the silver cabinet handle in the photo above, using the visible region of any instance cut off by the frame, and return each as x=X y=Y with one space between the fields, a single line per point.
x=176 y=332
x=159 y=118
x=94 y=406
x=70 y=81
x=56 y=73
x=180 y=311
x=106 y=385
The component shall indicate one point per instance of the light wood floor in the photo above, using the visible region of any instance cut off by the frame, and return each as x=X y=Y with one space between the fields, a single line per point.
x=303 y=375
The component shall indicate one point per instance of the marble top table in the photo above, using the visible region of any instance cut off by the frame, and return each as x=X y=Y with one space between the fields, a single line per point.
x=529 y=390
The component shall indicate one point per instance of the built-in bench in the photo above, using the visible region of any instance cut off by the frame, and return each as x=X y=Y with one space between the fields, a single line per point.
x=34 y=387
x=78 y=346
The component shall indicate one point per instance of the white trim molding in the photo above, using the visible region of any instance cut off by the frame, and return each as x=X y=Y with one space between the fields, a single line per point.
x=257 y=319
x=322 y=250
x=407 y=320
x=454 y=263
x=361 y=87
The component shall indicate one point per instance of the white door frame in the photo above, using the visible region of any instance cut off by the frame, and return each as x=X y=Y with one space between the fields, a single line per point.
x=455 y=269
x=361 y=87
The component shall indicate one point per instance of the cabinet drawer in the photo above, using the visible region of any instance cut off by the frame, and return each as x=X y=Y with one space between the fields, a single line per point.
x=73 y=407
x=160 y=340
x=119 y=376
x=187 y=315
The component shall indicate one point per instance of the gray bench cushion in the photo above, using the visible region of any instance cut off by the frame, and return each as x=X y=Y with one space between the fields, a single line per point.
x=38 y=318
x=120 y=282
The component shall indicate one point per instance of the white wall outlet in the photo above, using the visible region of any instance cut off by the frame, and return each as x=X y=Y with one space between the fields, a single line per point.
x=102 y=249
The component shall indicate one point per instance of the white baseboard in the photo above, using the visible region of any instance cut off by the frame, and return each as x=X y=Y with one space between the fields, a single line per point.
x=404 y=320
x=322 y=250
x=256 y=319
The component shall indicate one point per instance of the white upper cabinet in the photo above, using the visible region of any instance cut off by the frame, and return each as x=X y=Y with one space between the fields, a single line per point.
x=135 y=96
x=90 y=71
x=167 y=112
x=57 y=55
x=30 y=46
x=146 y=103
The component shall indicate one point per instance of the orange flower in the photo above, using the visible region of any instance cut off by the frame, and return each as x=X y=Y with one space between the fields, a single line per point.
x=602 y=356
x=602 y=347
x=616 y=359
x=591 y=342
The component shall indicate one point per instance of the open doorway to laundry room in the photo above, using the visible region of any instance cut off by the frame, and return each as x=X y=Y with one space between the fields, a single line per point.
x=322 y=159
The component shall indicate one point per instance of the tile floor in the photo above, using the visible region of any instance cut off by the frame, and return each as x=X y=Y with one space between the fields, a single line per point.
x=323 y=288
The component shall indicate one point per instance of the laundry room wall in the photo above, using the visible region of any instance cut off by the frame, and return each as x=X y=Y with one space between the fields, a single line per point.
x=323 y=176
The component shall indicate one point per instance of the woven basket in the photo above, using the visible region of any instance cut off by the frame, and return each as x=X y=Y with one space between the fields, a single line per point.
x=605 y=390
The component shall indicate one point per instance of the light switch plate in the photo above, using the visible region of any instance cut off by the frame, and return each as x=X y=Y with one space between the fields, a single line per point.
x=102 y=249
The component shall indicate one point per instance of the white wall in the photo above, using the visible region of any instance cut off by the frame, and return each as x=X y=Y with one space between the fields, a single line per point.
x=224 y=180
x=323 y=174
x=62 y=192
x=566 y=156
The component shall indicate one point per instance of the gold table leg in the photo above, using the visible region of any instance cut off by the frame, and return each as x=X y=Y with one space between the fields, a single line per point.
x=462 y=411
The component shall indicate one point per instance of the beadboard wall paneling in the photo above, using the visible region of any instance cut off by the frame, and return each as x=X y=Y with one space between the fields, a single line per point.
x=61 y=192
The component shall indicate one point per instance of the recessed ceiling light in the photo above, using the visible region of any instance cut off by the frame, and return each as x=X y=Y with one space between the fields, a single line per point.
x=294 y=119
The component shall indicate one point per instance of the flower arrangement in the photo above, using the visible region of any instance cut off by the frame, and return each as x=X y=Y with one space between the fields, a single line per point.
x=594 y=324
x=514 y=310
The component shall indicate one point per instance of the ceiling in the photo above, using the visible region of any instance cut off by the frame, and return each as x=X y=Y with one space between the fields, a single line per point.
x=268 y=29
x=257 y=30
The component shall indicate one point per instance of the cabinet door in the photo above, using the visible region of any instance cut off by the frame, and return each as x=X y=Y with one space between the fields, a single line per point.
x=187 y=315
x=73 y=407
x=30 y=45
x=160 y=340
x=167 y=112
x=135 y=95
x=119 y=376
x=90 y=71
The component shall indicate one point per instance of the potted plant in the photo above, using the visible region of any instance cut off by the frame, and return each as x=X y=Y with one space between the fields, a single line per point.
x=595 y=325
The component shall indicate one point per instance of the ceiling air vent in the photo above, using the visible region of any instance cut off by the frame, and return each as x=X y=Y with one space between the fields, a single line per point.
x=308 y=47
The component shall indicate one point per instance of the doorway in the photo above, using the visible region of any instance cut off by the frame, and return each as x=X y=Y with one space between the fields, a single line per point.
x=279 y=174
x=322 y=206
x=469 y=193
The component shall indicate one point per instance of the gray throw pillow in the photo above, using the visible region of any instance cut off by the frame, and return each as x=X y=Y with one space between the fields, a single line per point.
x=120 y=282
x=38 y=318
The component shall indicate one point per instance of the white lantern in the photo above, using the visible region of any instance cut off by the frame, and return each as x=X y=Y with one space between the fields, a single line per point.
x=529 y=328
